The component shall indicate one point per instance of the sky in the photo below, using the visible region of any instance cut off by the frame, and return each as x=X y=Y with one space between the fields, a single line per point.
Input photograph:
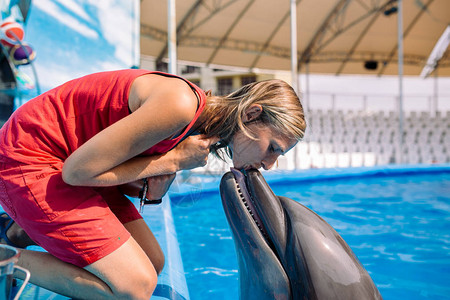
x=74 y=38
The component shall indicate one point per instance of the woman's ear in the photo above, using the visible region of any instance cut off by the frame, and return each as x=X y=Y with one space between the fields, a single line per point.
x=252 y=113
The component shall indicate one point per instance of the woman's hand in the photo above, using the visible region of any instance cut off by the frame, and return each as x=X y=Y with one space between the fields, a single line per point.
x=157 y=186
x=132 y=189
x=193 y=151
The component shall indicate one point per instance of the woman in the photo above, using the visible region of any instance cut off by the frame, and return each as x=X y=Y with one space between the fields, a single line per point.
x=68 y=157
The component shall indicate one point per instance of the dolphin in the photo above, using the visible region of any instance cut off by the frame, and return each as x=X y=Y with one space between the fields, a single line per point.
x=284 y=249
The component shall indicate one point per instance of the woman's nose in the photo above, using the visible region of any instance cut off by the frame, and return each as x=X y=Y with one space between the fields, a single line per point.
x=268 y=163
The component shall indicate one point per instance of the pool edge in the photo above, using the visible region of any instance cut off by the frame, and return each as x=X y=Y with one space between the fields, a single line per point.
x=286 y=176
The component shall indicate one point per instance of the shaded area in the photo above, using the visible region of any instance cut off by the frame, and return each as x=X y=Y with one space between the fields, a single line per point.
x=7 y=88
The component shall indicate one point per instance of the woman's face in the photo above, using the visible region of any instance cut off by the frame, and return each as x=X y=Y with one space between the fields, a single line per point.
x=263 y=152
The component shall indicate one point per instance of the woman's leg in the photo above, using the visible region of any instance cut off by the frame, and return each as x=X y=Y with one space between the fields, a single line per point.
x=147 y=241
x=90 y=254
x=71 y=279
x=137 y=228
x=126 y=273
x=15 y=234
x=131 y=219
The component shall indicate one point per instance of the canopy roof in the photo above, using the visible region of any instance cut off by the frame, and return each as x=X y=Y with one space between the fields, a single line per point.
x=333 y=36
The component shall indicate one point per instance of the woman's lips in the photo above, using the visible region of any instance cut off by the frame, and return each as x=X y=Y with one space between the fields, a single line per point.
x=248 y=167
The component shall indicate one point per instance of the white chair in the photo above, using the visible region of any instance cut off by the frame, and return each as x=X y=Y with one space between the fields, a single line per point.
x=411 y=148
x=282 y=163
x=436 y=136
x=409 y=137
x=413 y=158
x=438 y=149
x=369 y=159
x=351 y=147
x=388 y=148
x=314 y=148
x=424 y=116
x=364 y=147
x=330 y=160
x=392 y=115
x=317 y=160
x=301 y=148
x=426 y=157
x=375 y=147
x=304 y=162
x=338 y=137
x=338 y=147
x=327 y=148
x=343 y=160
x=324 y=138
x=287 y=161
x=384 y=159
x=356 y=159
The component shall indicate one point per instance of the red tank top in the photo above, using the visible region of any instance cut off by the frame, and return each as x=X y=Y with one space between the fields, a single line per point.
x=48 y=128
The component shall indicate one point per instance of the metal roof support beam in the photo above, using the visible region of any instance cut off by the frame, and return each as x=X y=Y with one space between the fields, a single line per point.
x=153 y=33
x=358 y=40
x=183 y=30
x=283 y=52
x=304 y=58
x=271 y=36
x=352 y=24
x=437 y=53
x=225 y=37
x=317 y=48
x=407 y=31
x=232 y=44
x=215 y=10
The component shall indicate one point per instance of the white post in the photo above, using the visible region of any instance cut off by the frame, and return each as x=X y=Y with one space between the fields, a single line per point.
x=136 y=35
x=435 y=109
x=294 y=59
x=308 y=96
x=333 y=103
x=430 y=104
x=172 y=36
x=294 y=62
x=400 y=79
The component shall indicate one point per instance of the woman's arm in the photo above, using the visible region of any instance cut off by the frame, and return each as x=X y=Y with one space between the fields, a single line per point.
x=157 y=186
x=110 y=157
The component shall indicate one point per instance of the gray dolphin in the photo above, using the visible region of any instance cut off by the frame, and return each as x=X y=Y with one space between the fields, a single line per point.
x=284 y=249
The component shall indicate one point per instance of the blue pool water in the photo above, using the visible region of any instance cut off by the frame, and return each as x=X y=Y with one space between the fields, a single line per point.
x=397 y=225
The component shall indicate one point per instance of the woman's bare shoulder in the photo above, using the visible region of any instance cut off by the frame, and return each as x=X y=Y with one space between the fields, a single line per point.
x=160 y=92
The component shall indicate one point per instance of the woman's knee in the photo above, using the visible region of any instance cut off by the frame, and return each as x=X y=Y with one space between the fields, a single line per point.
x=158 y=261
x=147 y=241
x=139 y=286
x=127 y=271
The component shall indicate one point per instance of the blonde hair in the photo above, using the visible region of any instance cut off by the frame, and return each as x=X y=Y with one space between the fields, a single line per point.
x=281 y=108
